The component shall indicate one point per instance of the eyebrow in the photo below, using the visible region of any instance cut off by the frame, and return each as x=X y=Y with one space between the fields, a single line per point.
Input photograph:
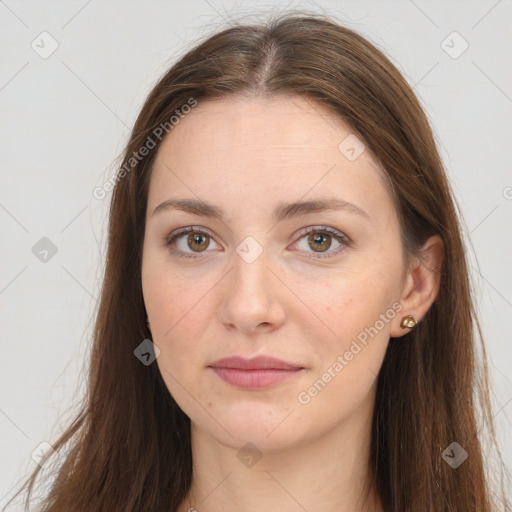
x=283 y=211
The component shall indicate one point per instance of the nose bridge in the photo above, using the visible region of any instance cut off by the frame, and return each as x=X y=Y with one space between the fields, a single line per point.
x=250 y=295
x=250 y=272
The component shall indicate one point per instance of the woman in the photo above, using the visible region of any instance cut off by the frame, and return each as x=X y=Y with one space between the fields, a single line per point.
x=286 y=318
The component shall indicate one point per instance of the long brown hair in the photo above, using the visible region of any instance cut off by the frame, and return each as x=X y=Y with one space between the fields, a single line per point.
x=128 y=449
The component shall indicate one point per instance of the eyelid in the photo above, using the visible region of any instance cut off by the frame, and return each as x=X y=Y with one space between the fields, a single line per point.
x=343 y=239
x=174 y=235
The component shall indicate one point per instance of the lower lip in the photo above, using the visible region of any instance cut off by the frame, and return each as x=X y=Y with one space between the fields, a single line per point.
x=254 y=379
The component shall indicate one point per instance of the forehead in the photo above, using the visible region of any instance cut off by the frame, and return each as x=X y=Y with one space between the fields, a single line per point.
x=266 y=150
x=233 y=123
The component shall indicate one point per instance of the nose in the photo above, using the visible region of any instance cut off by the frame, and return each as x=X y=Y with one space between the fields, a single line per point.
x=253 y=297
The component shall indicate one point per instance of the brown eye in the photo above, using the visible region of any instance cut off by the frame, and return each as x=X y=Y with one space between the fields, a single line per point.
x=320 y=242
x=199 y=241
x=188 y=242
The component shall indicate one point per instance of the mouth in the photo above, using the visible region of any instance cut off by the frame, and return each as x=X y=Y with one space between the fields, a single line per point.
x=256 y=373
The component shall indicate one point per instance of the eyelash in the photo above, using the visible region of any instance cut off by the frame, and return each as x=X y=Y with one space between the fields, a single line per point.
x=340 y=237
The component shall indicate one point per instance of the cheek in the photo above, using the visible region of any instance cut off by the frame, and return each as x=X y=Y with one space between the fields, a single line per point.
x=357 y=312
x=350 y=304
x=180 y=309
x=348 y=361
x=177 y=321
x=174 y=300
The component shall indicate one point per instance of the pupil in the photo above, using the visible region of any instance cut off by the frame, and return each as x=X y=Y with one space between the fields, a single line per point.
x=317 y=239
x=196 y=240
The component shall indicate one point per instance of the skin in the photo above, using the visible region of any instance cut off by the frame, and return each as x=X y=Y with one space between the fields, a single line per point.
x=245 y=155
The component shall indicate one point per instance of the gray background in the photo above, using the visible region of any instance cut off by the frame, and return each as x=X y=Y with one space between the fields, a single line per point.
x=66 y=117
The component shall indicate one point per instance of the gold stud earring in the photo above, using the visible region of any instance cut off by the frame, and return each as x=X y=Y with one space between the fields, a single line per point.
x=408 y=322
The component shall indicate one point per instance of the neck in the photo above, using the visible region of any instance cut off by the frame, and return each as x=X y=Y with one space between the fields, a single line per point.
x=330 y=473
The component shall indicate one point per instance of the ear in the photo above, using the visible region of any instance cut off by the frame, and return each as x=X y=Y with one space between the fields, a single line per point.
x=422 y=283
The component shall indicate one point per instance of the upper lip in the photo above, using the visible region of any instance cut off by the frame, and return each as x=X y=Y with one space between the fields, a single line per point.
x=255 y=363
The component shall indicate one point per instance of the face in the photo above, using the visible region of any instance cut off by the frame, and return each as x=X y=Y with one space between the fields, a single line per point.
x=316 y=288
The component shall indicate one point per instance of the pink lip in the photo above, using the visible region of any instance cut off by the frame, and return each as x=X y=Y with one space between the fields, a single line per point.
x=256 y=373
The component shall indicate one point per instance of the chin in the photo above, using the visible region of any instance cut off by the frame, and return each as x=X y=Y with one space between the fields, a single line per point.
x=262 y=425
x=258 y=439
